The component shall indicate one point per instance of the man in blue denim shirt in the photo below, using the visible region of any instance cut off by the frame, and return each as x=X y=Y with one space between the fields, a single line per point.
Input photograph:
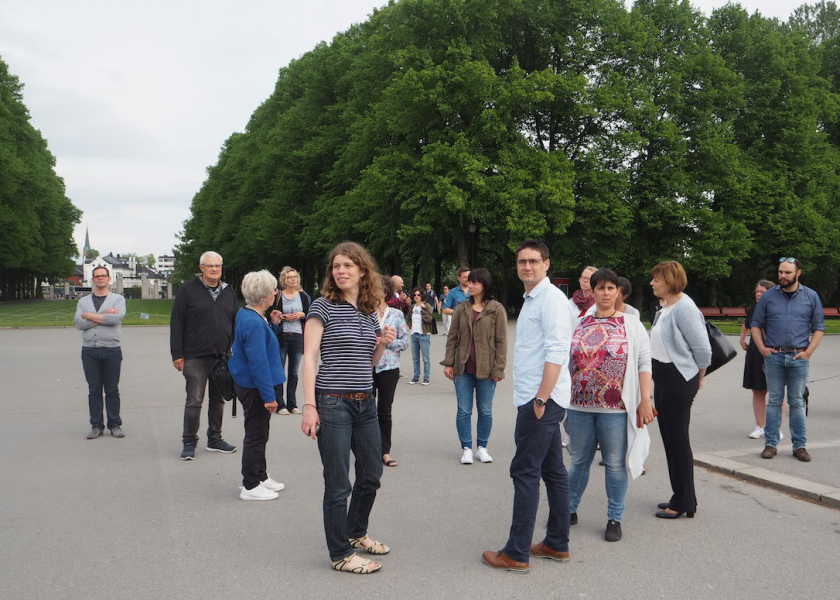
x=541 y=392
x=787 y=327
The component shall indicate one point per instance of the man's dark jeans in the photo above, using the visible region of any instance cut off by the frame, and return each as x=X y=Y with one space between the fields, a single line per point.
x=348 y=425
x=291 y=346
x=539 y=453
x=102 y=370
x=197 y=374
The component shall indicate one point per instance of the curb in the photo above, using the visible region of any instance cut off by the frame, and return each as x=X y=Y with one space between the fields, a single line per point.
x=810 y=490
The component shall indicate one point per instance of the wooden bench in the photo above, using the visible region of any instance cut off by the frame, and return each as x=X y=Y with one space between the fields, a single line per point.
x=734 y=311
x=831 y=312
x=710 y=311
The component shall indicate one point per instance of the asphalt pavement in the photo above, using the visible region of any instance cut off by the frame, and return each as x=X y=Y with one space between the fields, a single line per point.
x=125 y=518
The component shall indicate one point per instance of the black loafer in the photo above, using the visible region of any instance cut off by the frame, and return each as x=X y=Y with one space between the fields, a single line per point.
x=666 y=515
x=664 y=505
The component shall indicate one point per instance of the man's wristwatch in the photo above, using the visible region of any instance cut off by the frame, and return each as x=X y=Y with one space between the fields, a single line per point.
x=539 y=401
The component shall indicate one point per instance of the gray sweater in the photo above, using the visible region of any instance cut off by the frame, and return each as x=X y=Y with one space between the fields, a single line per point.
x=683 y=332
x=108 y=334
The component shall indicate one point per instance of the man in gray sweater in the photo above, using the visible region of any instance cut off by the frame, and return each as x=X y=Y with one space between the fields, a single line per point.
x=99 y=316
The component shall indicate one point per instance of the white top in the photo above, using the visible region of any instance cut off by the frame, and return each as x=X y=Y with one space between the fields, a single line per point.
x=629 y=310
x=416 y=320
x=658 y=351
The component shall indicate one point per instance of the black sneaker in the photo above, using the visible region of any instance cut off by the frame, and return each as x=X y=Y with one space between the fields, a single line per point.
x=220 y=446
x=573 y=519
x=613 y=532
x=188 y=452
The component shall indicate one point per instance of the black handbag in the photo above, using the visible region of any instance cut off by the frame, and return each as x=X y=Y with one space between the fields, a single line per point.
x=722 y=350
x=223 y=381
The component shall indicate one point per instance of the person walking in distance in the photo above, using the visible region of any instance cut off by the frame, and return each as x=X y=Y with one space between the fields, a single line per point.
x=200 y=331
x=99 y=316
x=541 y=393
x=787 y=328
x=447 y=319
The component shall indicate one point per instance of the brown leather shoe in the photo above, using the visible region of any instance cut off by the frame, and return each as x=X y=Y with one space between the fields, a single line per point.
x=500 y=560
x=768 y=452
x=802 y=454
x=542 y=551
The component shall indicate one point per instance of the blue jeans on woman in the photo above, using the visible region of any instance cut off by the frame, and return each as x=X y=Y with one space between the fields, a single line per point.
x=586 y=429
x=420 y=344
x=348 y=425
x=484 y=391
x=291 y=347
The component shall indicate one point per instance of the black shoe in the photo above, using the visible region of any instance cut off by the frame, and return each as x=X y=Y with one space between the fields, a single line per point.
x=220 y=446
x=573 y=519
x=664 y=505
x=189 y=451
x=117 y=431
x=613 y=532
x=95 y=432
x=666 y=515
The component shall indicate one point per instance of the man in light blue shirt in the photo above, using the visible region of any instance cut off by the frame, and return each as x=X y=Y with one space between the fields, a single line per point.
x=458 y=294
x=541 y=393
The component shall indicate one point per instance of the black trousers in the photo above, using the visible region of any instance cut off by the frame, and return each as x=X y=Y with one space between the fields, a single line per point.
x=256 y=434
x=385 y=385
x=673 y=397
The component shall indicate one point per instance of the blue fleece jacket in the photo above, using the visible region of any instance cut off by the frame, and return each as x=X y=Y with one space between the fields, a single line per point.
x=255 y=362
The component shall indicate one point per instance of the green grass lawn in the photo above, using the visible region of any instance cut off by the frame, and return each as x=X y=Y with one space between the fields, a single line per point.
x=40 y=313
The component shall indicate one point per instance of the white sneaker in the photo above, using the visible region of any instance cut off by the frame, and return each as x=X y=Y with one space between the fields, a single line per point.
x=757 y=433
x=296 y=411
x=425 y=383
x=482 y=455
x=467 y=458
x=283 y=411
x=781 y=436
x=257 y=493
x=274 y=486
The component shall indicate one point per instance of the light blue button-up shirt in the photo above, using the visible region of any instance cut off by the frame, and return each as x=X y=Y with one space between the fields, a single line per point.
x=543 y=334
x=788 y=321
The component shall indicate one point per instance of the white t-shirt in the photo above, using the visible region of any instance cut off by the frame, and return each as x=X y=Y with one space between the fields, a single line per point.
x=658 y=351
x=416 y=320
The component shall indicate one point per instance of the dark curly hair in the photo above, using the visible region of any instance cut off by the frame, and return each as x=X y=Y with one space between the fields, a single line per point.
x=370 y=285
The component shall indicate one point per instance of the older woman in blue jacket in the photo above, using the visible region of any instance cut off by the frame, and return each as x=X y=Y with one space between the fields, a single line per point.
x=680 y=352
x=258 y=380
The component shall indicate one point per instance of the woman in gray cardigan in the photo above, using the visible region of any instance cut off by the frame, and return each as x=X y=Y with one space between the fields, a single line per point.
x=679 y=347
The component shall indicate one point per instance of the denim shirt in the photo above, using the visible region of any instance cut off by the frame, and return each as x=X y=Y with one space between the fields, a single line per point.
x=788 y=322
x=543 y=334
x=391 y=356
x=455 y=297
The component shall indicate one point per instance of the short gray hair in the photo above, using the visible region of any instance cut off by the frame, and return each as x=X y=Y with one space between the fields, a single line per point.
x=257 y=286
x=210 y=254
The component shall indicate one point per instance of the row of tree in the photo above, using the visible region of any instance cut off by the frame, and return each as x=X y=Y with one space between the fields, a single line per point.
x=443 y=132
x=36 y=218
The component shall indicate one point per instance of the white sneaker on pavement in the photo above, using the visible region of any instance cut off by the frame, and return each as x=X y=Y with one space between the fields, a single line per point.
x=257 y=493
x=274 y=486
x=283 y=411
x=757 y=433
x=781 y=436
x=482 y=455
x=467 y=458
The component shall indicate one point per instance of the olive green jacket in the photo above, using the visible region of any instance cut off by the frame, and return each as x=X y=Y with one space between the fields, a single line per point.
x=490 y=334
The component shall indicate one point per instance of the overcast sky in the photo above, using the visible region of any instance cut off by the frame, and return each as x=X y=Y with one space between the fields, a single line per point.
x=135 y=98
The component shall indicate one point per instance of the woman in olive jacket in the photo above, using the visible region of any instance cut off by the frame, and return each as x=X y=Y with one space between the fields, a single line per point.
x=476 y=354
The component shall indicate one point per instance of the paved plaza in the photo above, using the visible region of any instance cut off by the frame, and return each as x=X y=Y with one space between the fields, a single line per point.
x=125 y=518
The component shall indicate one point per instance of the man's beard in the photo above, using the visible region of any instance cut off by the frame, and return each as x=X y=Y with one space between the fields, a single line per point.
x=786 y=284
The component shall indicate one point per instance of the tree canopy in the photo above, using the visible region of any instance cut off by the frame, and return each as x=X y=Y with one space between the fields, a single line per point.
x=444 y=132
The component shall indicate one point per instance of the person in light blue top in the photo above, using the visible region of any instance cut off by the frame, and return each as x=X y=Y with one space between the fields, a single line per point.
x=258 y=379
x=458 y=294
x=541 y=393
x=787 y=327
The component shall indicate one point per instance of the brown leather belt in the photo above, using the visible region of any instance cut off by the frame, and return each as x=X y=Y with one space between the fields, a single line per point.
x=358 y=397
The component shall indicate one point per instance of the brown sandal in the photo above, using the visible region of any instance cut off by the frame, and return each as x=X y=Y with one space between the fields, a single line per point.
x=367 y=566
x=377 y=548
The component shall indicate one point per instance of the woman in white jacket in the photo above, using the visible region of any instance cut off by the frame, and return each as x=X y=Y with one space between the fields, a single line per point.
x=610 y=405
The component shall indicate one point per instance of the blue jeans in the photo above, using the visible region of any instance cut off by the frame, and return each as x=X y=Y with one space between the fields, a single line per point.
x=420 y=343
x=291 y=346
x=779 y=370
x=484 y=391
x=102 y=370
x=348 y=425
x=539 y=453
x=586 y=429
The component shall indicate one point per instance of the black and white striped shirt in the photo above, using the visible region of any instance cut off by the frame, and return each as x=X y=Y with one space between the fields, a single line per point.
x=346 y=347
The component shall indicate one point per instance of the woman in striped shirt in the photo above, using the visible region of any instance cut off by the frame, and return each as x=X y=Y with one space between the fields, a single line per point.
x=342 y=328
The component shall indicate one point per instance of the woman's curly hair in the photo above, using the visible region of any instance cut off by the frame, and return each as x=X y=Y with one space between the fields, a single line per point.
x=370 y=284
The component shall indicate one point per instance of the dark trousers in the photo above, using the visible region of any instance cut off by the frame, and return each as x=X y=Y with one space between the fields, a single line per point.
x=197 y=376
x=673 y=397
x=256 y=435
x=291 y=348
x=385 y=384
x=102 y=371
x=348 y=425
x=539 y=454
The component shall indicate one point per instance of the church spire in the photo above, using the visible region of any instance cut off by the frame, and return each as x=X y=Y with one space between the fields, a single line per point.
x=86 y=251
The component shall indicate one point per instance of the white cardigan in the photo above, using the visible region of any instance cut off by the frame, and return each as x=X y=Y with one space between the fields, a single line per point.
x=638 y=360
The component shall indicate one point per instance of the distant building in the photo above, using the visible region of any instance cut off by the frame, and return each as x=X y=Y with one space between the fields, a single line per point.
x=166 y=265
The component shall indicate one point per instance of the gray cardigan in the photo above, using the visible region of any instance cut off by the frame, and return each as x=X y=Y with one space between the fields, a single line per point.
x=108 y=334
x=684 y=334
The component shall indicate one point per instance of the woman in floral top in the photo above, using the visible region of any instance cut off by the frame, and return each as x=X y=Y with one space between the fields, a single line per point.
x=386 y=374
x=611 y=387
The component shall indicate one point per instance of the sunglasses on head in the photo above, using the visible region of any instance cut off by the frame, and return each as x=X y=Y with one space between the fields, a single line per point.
x=789 y=259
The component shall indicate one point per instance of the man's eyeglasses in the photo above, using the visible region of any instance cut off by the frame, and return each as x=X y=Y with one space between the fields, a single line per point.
x=789 y=259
